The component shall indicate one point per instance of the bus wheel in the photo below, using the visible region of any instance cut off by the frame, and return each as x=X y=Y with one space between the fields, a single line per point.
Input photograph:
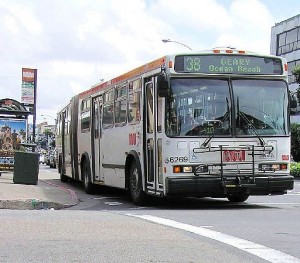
x=238 y=197
x=88 y=186
x=63 y=178
x=137 y=194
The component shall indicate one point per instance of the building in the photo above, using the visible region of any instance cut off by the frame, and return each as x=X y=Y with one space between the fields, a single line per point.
x=44 y=140
x=285 y=42
x=42 y=127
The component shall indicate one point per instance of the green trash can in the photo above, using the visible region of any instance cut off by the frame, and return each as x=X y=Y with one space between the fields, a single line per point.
x=26 y=168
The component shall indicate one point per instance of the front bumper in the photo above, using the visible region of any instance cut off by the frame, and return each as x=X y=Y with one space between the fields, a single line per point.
x=216 y=187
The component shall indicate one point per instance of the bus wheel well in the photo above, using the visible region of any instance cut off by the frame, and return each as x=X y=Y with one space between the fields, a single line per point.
x=129 y=160
x=59 y=163
x=84 y=159
x=61 y=170
x=86 y=175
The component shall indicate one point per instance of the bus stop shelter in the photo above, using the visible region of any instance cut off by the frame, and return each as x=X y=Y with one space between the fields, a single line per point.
x=13 y=131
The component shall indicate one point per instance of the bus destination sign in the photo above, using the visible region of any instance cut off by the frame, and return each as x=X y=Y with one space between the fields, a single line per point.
x=228 y=64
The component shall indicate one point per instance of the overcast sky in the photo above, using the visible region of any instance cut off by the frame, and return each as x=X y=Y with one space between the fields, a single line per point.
x=75 y=43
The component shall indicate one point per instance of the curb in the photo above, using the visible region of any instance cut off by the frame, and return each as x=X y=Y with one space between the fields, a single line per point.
x=37 y=204
x=31 y=204
x=72 y=193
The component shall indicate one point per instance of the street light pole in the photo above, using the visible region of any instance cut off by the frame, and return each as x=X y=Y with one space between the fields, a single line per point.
x=169 y=40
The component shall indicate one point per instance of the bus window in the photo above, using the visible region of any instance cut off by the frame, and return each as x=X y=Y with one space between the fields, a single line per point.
x=120 y=111
x=121 y=105
x=260 y=110
x=108 y=120
x=85 y=121
x=85 y=116
x=150 y=119
x=198 y=107
x=96 y=120
x=134 y=101
x=66 y=122
x=159 y=114
x=108 y=110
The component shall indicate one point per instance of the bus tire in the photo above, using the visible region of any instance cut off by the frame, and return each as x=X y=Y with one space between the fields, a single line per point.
x=137 y=194
x=86 y=176
x=63 y=177
x=238 y=197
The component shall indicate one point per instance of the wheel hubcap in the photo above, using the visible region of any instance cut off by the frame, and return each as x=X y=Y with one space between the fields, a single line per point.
x=134 y=181
x=86 y=178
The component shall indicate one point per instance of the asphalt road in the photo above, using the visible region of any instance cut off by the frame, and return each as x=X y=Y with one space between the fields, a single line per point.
x=107 y=227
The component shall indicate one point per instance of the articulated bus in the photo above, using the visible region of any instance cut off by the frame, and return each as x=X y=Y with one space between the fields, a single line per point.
x=206 y=124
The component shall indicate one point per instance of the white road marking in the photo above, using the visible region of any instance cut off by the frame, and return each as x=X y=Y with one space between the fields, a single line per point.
x=275 y=204
x=106 y=197
x=137 y=208
x=266 y=253
x=112 y=203
x=292 y=193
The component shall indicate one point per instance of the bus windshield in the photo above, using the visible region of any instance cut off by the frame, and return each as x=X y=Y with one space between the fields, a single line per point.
x=204 y=107
x=261 y=107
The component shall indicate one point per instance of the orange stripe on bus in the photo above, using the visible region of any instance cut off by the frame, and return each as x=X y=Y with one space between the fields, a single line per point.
x=133 y=73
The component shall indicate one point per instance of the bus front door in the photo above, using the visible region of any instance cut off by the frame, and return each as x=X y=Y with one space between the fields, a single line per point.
x=96 y=140
x=153 y=140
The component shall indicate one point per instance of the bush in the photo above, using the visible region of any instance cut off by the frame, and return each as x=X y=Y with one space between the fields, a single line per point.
x=295 y=141
x=295 y=169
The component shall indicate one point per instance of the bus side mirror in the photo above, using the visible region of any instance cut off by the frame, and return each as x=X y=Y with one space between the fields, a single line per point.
x=162 y=86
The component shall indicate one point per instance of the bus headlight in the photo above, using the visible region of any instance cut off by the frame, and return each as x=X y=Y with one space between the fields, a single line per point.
x=182 y=169
x=187 y=169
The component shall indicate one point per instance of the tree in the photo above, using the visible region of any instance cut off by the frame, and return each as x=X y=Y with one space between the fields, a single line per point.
x=295 y=141
x=48 y=133
x=296 y=73
x=47 y=139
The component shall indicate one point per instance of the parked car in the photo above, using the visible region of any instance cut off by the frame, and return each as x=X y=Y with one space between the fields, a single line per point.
x=47 y=158
x=42 y=158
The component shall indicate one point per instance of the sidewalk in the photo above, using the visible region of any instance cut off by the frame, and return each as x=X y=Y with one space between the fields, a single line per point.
x=45 y=195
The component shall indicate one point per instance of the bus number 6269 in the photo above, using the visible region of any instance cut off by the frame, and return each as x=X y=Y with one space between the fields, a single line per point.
x=176 y=159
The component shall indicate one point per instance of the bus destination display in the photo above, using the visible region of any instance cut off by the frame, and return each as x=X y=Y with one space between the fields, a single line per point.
x=228 y=64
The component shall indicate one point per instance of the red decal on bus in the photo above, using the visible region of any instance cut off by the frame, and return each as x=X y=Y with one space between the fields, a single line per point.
x=234 y=156
x=132 y=138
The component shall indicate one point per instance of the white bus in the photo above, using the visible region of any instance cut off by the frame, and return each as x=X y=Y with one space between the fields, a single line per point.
x=205 y=124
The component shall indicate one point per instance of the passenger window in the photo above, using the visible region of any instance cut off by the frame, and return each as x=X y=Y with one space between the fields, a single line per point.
x=134 y=101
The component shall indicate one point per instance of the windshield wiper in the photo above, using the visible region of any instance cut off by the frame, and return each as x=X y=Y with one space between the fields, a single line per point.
x=261 y=140
x=243 y=115
x=266 y=115
x=206 y=142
